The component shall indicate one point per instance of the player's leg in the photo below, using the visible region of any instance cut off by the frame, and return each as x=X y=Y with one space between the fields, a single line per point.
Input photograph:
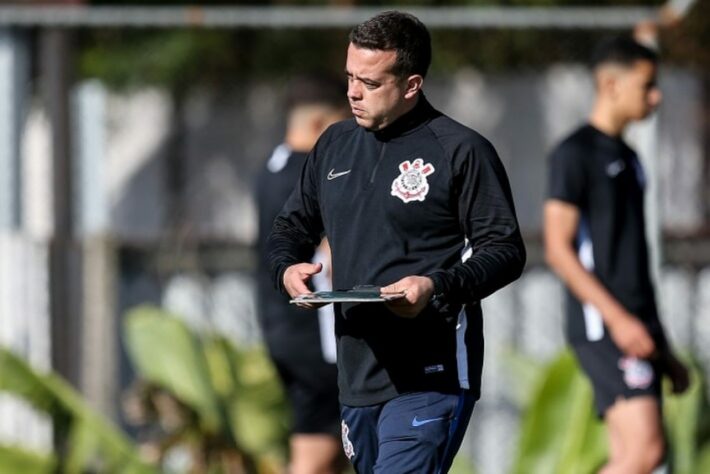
x=421 y=432
x=359 y=436
x=315 y=439
x=457 y=430
x=637 y=422
x=615 y=443
x=316 y=454
x=618 y=382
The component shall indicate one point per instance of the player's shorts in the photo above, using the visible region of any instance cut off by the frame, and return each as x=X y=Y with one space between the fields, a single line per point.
x=415 y=433
x=615 y=376
x=311 y=386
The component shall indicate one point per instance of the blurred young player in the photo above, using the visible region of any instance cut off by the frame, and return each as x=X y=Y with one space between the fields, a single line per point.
x=594 y=240
x=301 y=343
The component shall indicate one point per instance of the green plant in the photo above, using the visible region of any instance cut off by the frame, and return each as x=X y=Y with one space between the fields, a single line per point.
x=225 y=406
x=84 y=440
x=687 y=425
x=14 y=459
x=560 y=432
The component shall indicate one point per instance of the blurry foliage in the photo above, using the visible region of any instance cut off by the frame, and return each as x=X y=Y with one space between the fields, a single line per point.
x=174 y=59
x=15 y=459
x=561 y=433
x=221 y=408
x=462 y=465
x=182 y=58
x=687 y=420
x=199 y=394
x=85 y=441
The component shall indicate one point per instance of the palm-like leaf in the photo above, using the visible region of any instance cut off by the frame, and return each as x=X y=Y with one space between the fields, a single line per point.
x=85 y=439
x=560 y=432
x=167 y=354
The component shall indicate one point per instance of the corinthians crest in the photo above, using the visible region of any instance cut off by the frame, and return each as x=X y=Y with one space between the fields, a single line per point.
x=411 y=184
x=638 y=373
x=347 y=444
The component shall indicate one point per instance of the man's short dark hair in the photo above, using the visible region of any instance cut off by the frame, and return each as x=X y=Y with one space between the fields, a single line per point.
x=621 y=50
x=316 y=89
x=397 y=31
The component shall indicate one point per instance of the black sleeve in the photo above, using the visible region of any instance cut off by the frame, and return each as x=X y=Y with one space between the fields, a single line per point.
x=298 y=228
x=487 y=216
x=566 y=178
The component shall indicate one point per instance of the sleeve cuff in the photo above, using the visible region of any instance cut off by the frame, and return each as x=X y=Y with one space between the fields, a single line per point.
x=440 y=287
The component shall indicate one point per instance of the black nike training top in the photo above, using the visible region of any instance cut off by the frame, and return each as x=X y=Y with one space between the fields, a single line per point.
x=602 y=176
x=424 y=196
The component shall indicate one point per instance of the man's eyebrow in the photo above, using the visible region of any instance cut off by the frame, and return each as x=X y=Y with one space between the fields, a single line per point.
x=363 y=79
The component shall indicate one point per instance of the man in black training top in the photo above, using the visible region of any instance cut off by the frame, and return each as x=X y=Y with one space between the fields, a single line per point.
x=298 y=344
x=413 y=202
x=594 y=239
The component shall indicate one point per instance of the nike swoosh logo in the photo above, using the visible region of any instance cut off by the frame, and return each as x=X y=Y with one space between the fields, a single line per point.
x=614 y=168
x=333 y=175
x=416 y=422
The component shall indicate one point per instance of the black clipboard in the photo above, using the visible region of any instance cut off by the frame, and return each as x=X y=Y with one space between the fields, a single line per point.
x=355 y=295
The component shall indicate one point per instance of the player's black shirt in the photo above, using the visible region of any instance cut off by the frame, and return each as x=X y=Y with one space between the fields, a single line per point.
x=416 y=198
x=603 y=177
x=288 y=330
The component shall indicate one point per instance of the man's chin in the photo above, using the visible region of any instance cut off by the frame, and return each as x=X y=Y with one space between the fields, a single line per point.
x=364 y=123
x=368 y=124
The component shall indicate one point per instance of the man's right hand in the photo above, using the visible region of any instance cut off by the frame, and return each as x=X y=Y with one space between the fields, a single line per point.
x=632 y=337
x=295 y=280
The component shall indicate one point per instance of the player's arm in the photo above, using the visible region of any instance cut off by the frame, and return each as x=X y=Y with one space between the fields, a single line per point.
x=487 y=218
x=561 y=220
x=296 y=232
x=486 y=213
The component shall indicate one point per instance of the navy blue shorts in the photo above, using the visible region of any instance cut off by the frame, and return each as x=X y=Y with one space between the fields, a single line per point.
x=413 y=433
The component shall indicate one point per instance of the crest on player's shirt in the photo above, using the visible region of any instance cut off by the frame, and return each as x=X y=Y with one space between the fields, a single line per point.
x=411 y=184
x=347 y=444
x=638 y=373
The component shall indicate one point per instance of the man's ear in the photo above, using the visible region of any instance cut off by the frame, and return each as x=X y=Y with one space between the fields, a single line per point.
x=414 y=85
x=607 y=82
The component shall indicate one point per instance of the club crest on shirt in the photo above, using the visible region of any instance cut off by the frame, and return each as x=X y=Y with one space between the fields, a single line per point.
x=347 y=445
x=638 y=373
x=411 y=184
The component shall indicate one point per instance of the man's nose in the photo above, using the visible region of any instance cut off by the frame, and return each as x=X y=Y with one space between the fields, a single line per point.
x=354 y=90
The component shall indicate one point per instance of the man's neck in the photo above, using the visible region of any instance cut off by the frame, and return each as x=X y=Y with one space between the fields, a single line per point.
x=302 y=139
x=407 y=107
x=604 y=119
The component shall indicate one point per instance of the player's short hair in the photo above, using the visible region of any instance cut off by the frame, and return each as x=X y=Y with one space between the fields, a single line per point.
x=321 y=88
x=398 y=31
x=621 y=50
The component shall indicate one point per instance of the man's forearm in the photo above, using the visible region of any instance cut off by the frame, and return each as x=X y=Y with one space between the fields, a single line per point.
x=583 y=284
x=286 y=247
x=486 y=271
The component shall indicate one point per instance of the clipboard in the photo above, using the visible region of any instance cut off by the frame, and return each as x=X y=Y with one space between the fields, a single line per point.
x=355 y=295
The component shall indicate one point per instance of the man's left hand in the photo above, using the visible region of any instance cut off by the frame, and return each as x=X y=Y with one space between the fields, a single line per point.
x=417 y=293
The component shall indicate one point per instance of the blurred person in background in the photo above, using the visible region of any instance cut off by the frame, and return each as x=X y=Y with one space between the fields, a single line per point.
x=595 y=241
x=302 y=343
x=416 y=204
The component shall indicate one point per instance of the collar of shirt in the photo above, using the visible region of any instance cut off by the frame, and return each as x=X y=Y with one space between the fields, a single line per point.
x=419 y=115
